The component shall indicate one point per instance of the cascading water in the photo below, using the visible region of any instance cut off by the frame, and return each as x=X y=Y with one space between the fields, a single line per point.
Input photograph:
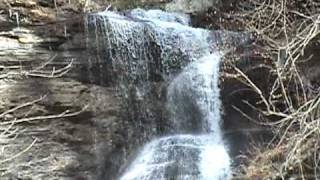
x=188 y=156
x=147 y=47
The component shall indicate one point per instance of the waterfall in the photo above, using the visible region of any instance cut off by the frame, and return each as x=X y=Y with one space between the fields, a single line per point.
x=144 y=47
x=200 y=156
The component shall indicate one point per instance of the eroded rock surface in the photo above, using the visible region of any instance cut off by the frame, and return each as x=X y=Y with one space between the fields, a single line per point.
x=65 y=148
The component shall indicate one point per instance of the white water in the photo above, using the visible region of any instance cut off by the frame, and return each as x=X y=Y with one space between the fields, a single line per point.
x=186 y=156
x=133 y=34
x=134 y=43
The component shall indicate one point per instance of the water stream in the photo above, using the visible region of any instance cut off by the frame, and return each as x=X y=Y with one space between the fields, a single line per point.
x=147 y=47
x=188 y=156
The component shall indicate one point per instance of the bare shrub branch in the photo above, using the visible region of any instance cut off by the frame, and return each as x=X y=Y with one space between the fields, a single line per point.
x=285 y=30
x=11 y=119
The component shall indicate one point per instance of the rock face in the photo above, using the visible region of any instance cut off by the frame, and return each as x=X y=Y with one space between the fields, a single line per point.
x=65 y=148
x=57 y=148
x=191 y=6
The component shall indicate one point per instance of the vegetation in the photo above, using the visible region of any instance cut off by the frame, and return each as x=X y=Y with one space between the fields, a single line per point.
x=287 y=38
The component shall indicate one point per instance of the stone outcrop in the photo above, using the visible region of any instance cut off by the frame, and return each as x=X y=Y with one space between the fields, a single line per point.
x=65 y=148
x=191 y=6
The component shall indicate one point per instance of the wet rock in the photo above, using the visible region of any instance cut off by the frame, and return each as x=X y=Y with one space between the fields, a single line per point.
x=191 y=6
x=9 y=43
x=43 y=15
x=78 y=41
x=29 y=39
x=22 y=3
